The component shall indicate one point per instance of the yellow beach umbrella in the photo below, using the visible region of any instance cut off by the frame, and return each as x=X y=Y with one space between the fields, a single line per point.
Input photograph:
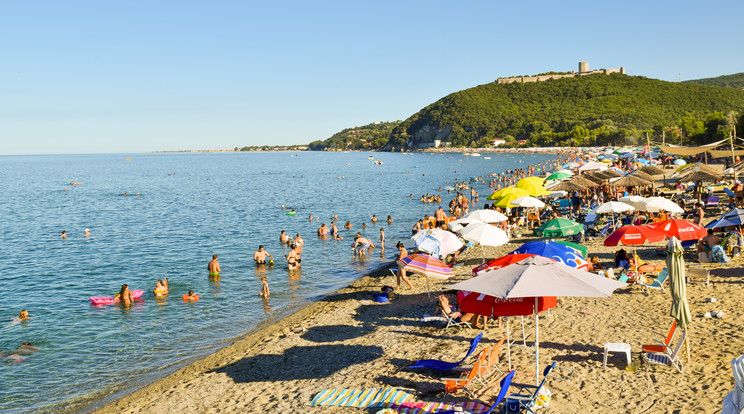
x=506 y=201
x=534 y=189
x=534 y=180
x=508 y=190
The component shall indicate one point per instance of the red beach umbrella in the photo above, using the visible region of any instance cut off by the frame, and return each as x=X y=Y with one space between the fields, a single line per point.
x=634 y=235
x=681 y=229
x=480 y=304
x=502 y=261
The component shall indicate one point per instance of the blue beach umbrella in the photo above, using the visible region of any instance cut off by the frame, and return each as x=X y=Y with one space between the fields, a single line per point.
x=680 y=161
x=560 y=252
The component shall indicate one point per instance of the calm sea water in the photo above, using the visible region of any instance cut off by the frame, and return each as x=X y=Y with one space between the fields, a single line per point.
x=191 y=205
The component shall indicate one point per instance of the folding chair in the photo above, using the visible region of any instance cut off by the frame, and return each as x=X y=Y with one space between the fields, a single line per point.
x=538 y=399
x=661 y=346
x=657 y=284
x=491 y=361
x=468 y=381
x=669 y=356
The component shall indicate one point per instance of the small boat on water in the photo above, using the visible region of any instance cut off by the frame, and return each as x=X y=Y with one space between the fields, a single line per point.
x=486 y=158
x=370 y=157
x=475 y=154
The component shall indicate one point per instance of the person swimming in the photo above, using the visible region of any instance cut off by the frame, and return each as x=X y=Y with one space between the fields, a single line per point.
x=161 y=287
x=125 y=295
x=190 y=297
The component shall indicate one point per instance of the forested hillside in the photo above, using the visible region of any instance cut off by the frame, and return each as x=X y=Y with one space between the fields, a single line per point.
x=729 y=81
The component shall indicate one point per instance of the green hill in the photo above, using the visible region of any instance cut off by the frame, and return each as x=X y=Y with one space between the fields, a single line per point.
x=595 y=109
x=368 y=137
x=729 y=81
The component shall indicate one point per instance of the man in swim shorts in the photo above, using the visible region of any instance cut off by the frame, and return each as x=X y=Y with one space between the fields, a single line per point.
x=441 y=217
x=214 y=266
x=260 y=255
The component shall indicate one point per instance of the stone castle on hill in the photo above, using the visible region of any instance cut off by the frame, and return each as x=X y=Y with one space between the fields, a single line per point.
x=583 y=70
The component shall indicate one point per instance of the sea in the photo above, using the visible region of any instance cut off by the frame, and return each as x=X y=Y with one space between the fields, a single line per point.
x=179 y=210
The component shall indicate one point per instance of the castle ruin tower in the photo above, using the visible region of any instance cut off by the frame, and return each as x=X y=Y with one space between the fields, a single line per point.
x=583 y=67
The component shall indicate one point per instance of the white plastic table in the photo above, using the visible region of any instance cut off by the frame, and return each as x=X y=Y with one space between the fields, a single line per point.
x=616 y=347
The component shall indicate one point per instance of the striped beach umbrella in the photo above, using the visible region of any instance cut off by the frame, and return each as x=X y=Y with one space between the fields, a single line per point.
x=426 y=265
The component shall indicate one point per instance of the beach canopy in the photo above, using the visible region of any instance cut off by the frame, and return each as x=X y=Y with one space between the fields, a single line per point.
x=681 y=229
x=486 y=216
x=680 y=309
x=633 y=236
x=556 y=251
x=567 y=186
x=593 y=166
x=558 y=227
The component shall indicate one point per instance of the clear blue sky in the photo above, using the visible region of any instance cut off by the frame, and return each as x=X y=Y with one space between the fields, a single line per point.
x=134 y=76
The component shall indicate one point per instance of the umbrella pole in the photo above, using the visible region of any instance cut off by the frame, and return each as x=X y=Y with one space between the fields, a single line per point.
x=428 y=293
x=483 y=253
x=537 y=348
x=508 y=343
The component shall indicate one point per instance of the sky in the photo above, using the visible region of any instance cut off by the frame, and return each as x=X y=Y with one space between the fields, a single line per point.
x=138 y=76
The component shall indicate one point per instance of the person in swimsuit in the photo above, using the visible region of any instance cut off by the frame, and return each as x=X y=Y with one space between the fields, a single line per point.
x=390 y=220
x=401 y=271
x=214 y=267
x=348 y=225
x=190 y=297
x=64 y=234
x=260 y=255
x=452 y=311
x=264 y=293
x=160 y=288
x=299 y=242
x=323 y=230
x=382 y=239
x=362 y=244
x=283 y=238
x=374 y=218
x=292 y=258
x=125 y=295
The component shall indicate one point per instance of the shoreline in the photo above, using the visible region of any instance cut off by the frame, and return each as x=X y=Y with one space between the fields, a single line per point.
x=285 y=322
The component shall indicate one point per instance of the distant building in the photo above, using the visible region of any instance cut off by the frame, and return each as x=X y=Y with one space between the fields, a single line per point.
x=583 y=70
x=497 y=142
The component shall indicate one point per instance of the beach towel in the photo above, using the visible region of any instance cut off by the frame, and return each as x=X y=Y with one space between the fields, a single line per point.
x=435 y=407
x=371 y=397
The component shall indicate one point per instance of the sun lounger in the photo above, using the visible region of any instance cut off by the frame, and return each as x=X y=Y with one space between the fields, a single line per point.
x=698 y=274
x=446 y=366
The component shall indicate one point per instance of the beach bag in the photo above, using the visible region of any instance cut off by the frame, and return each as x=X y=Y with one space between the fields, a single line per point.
x=381 y=297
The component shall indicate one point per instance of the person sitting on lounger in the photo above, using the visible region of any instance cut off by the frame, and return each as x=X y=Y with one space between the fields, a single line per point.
x=622 y=259
x=452 y=311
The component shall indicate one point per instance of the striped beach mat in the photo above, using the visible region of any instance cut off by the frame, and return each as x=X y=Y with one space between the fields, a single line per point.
x=433 y=407
x=371 y=397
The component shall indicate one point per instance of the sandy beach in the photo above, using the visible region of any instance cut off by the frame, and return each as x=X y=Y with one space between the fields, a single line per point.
x=347 y=341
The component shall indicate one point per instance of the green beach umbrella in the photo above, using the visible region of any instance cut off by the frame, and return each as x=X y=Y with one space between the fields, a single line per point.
x=558 y=227
x=675 y=261
x=558 y=176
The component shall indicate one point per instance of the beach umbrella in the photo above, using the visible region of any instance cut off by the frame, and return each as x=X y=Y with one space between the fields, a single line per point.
x=680 y=309
x=633 y=200
x=699 y=175
x=556 y=251
x=558 y=176
x=681 y=229
x=610 y=173
x=537 y=277
x=506 y=201
x=533 y=179
x=558 y=227
x=534 y=189
x=630 y=181
x=426 y=265
x=426 y=243
x=486 y=216
x=733 y=217
x=485 y=235
x=508 y=190
x=557 y=194
x=634 y=235
x=613 y=207
x=679 y=161
x=583 y=250
x=595 y=178
x=502 y=261
x=654 y=204
x=446 y=242
x=569 y=172
x=529 y=202
x=650 y=169
x=593 y=166
x=582 y=180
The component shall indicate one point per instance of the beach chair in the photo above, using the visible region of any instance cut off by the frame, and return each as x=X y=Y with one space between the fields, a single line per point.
x=468 y=381
x=669 y=356
x=698 y=274
x=505 y=384
x=451 y=321
x=658 y=283
x=491 y=361
x=734 y=401
x=537 y=399
x=712 y=201
x=446 y=366
x=661 y=346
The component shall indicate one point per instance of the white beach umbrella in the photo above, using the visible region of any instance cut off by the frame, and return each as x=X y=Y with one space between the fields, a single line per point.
x=569 y=172
x=535 y=277
x=593 y=166
x=487 y=216
x=459 y=224
x=485 y=235
x=654 y=204
x=614 y=207
x=528 y=201
x=634 y=200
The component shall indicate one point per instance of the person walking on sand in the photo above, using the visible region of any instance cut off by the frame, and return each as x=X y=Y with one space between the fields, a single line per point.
x=260 y=255
x=214 y=267
x=401 y=271
x=264 y=288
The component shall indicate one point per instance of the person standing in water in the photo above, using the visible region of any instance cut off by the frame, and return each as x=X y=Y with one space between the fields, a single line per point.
x=283 y=238
x=260 y=255
x=264 y=288
x=214 y=267
x=125 y=295
x=64 y=234
x=382 y=239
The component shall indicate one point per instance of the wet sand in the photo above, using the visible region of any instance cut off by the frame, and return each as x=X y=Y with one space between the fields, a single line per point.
x=347 y=341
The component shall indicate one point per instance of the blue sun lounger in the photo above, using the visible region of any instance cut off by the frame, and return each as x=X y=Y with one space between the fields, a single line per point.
x=444 y=365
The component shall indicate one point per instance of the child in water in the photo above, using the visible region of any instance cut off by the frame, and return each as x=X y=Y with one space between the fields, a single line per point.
x=191 y=296
x=264 y=288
